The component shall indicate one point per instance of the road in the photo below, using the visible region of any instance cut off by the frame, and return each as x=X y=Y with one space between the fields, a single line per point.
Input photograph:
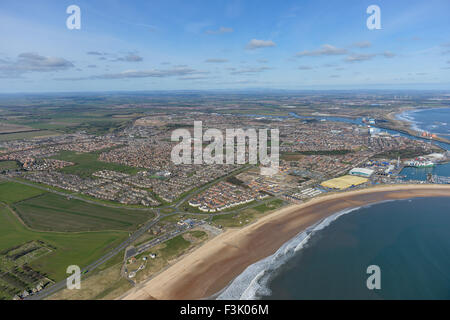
x=167 y=236
x=62 y=284
x=135 y=235
x=73 y=196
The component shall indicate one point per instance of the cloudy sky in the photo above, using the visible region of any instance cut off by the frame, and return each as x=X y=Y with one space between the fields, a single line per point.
x=232 y=44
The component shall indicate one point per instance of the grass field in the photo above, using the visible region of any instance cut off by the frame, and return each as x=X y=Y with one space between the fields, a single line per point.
x=51 y=212
x=27 y=135
x=8 y=165
x=76 y=248
x=88 y=163
x=48 y=211
x=246 y=216
x=173 y=247
x=11 y=192
x=274 y=204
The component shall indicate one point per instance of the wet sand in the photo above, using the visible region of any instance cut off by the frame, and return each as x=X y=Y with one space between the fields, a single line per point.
x=210 y=268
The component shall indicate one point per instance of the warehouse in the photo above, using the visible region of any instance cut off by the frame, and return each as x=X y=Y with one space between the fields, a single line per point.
x=363 y=172
x=343 y=182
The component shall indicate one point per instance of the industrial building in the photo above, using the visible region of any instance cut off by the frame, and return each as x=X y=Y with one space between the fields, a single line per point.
x=343 y=182
x=363 y=172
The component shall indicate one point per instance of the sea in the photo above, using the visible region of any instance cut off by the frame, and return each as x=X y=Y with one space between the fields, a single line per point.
x=408 y=240
x=430 y=120
x=420 y=174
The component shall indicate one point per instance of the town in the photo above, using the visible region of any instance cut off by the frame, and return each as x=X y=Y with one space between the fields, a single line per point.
x=131 y=169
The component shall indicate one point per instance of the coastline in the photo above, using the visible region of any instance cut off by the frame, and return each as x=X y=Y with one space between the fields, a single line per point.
x=406 y=126
x=212 y=267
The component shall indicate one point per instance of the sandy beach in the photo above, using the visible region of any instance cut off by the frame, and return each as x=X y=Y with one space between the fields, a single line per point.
x=214 y=265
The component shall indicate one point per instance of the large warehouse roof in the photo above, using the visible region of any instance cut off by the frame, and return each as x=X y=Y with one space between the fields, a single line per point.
x=361 y=171
x=343 y=182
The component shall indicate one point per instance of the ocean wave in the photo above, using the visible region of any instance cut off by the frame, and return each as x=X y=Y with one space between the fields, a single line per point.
x=408 y=116
x=411 y=117
x=252 y=283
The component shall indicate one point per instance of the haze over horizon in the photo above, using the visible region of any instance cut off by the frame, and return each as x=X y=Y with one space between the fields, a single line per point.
x=213 y=45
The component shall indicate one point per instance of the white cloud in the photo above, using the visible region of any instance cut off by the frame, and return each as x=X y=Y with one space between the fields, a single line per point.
x=156 y=73
x=256 y=44
x=250 y=70
x=388 y=54
x=131 y=57
x=325 y=50
x=216 y=60
x=360 y=57
x=33 y=62
x=362 y=44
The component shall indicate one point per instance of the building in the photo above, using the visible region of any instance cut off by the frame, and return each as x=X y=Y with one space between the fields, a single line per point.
x=343 y=182
x=363 y=172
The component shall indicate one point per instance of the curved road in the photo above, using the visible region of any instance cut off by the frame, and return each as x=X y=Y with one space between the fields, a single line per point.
x=135 y=235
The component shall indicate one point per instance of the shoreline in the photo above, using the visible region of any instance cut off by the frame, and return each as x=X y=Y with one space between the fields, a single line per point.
x=410 y=125
x=206 y=271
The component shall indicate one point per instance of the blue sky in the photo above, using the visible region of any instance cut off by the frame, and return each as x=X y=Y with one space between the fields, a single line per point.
x=208 y=44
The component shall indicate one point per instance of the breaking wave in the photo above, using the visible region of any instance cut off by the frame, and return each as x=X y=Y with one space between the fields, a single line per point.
x=409 y=117
x=252 y=283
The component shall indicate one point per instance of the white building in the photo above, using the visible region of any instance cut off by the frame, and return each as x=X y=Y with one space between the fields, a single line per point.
x=363 y=172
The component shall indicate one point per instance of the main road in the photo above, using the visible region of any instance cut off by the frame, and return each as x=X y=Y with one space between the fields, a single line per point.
x=135 y=235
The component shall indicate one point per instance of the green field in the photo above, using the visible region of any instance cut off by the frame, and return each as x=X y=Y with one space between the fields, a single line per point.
x=271 y=205
x=199 y=234
x=88 y=163
x=11 y=192
x=76 y=248
x=8 y=165
x=173 y=247
x=246 y=216
x=51 y=212
x=27 y=135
